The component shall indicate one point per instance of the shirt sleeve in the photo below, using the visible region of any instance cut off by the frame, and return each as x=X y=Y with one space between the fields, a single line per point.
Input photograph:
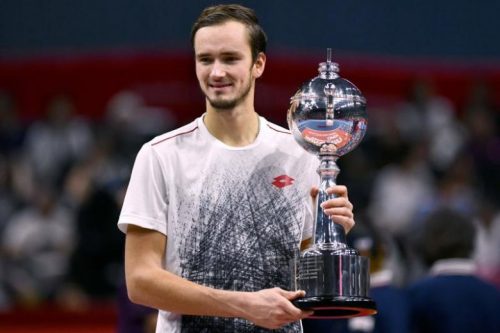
x=145 y=202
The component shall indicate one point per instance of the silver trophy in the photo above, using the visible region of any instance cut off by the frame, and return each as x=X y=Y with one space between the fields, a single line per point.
x=327 y=117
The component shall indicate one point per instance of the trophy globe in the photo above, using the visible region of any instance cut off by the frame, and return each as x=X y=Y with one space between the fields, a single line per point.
x=327 y=117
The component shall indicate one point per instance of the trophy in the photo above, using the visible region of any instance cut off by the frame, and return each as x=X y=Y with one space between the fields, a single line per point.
x=327 y=117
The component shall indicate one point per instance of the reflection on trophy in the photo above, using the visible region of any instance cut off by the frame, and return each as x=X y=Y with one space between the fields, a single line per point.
x=327 y=117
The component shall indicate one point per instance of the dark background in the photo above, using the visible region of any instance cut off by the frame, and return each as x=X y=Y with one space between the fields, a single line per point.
x=93 y=49
x=458 y=29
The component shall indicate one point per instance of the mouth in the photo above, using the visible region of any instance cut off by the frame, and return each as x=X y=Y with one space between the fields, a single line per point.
x=219 y=86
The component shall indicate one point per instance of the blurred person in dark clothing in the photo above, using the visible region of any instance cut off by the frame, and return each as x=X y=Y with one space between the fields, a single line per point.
x=96 y=266
x=483 y=142
x=452 y=298
x=8 y=205
x=11 y=129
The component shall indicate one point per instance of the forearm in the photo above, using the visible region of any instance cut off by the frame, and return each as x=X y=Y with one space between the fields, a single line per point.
x=151 y=285
x=161 y=289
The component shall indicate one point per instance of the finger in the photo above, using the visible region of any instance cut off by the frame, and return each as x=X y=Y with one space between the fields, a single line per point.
x=306 y=314
x=291 y=295
x=345 y=222
x=339 y=211
x=339 y=190
x=337 y=202
x=292 y=312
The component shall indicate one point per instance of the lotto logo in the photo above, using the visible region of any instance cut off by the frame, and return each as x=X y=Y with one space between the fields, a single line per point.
x=282 y=181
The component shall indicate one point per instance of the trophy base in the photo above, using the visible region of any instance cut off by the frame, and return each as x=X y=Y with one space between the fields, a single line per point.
x=336 y=307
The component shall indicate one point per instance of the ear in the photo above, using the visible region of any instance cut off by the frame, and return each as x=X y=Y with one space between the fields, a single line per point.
x=259 y=65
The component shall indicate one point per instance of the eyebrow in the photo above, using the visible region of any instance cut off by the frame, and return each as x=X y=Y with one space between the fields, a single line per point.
x=225 y=53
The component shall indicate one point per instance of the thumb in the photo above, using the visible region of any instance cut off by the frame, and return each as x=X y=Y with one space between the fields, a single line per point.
x=291 y=295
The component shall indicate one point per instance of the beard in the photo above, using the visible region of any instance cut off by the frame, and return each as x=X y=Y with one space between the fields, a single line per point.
x=221 y=104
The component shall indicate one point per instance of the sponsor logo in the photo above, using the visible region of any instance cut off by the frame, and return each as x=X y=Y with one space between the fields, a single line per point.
x=282 y=181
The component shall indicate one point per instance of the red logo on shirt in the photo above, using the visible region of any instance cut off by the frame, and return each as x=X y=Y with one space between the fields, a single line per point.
x=282 y=181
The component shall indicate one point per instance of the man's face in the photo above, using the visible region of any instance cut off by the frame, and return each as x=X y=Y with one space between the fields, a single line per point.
x=224 y=65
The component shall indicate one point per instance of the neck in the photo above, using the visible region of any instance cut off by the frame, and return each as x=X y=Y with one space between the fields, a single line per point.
x=237 y=128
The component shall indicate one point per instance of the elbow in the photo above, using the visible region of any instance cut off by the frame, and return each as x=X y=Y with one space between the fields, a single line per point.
x=133 y=294
x=137 y=288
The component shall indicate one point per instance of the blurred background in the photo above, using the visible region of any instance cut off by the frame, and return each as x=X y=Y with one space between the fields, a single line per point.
x=83 y=84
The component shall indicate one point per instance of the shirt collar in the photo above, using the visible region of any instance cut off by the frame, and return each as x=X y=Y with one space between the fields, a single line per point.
x=453 y=267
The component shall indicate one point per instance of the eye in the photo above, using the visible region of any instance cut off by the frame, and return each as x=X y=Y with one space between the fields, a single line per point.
x=231 y=59
x=205 y=60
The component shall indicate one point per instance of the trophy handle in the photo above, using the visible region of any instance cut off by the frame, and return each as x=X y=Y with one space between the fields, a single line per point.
x=327 y=234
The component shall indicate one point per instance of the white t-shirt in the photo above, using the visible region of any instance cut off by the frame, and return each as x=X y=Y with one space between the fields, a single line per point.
x=234 y=216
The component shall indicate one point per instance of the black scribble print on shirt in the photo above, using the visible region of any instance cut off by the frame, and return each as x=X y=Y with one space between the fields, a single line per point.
x=244 y=239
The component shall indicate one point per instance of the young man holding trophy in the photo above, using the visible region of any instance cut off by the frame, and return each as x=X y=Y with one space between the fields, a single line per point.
x=217 y=209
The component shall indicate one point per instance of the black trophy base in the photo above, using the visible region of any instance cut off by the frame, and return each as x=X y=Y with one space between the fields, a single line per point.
x=336 y=307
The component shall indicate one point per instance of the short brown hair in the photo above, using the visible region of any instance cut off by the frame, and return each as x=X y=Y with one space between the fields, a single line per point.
x=447 y=234
x=220 y=14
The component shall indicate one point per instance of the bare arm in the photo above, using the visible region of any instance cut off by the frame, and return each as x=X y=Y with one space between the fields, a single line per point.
x=151 y=285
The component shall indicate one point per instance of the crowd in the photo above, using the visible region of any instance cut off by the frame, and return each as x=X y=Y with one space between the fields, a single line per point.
x=63 y=177
x=62 y=182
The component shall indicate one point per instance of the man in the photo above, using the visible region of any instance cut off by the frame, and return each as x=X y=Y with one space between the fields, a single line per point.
x=452 y=298
x=215 y=210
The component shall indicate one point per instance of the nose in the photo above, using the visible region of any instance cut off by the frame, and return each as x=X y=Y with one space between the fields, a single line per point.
x=217 y=70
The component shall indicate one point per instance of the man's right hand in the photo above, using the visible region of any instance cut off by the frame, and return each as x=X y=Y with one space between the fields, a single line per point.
x=272 y=308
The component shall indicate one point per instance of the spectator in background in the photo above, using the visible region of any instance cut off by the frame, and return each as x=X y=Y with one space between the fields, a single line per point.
x=398 y=191
x=95 y=187
x=37 y=242
x=455 y=188
x=52 y=145
x=11 y=129
x=8 y=200
x=452 y=298
x=482 y=120
x=8 y=204
x=483 y=142
x=130 y=122
x=428 y=117
x=96 y=266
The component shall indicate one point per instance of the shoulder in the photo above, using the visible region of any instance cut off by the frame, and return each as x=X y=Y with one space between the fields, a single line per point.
x=172 y=137
x=164 y=145
x=278 y=135
x=278 y=129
